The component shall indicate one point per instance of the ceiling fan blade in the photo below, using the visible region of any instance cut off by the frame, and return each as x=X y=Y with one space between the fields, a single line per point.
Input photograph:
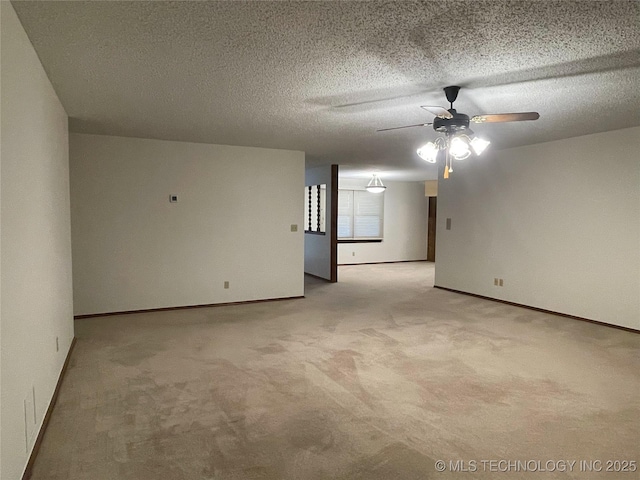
x=505 y=117
x=406 y=126
x=437 y=111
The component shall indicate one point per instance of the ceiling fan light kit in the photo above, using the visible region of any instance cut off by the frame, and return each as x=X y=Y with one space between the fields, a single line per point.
x=459 y=141
x=456 y=147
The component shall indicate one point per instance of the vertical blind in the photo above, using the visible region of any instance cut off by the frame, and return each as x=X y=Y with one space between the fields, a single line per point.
x=360 y=214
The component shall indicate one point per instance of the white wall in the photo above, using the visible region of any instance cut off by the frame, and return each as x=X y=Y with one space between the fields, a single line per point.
x=134 y=250
x=559 y=221
x=317 y=248
x=35 y=243
x=406 y=212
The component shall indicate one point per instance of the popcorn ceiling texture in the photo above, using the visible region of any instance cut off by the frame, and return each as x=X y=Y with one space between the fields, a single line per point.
x=323 y=76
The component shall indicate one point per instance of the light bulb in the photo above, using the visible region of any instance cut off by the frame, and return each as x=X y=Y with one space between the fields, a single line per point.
x=428 y=152
x=458 y=148
x=479 y=145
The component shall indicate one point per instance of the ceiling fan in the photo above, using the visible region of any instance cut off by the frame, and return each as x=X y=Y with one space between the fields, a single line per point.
x=458 y=136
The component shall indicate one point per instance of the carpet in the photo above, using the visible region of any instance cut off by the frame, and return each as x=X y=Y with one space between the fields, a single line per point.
x=379 y=376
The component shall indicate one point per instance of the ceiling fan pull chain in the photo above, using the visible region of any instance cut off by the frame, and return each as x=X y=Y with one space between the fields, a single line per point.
x=447 y=161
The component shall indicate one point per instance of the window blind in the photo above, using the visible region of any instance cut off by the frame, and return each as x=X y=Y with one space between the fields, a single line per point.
x=360 y=214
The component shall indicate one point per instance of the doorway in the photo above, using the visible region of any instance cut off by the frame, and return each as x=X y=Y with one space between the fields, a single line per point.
x=431 y=230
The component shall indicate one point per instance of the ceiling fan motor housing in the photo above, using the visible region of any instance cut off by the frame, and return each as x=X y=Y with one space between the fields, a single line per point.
x=457 y=123
x=451 y=93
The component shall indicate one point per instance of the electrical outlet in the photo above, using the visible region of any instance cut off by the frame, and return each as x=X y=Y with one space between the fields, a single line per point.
x=353 y=254
x=448 y=224
x=226 y=284
x=501 y=282
x=294 y=228
x=495 y=282
x=57 y=345
x=173 y=198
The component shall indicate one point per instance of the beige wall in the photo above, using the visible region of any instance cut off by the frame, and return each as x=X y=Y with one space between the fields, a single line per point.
x=431 y=188
x=35 y=244
x=558 y=221
x=133 y=249
x=406 y=212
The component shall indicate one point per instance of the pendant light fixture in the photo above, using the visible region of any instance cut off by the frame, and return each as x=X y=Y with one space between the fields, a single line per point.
x=375 y=185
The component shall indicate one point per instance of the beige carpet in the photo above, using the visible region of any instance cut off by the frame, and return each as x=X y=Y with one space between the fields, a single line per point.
x=375 y=377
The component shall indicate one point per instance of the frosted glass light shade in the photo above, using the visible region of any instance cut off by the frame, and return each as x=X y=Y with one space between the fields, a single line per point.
x=479 y=145
x=459 y=149
x=428 y=152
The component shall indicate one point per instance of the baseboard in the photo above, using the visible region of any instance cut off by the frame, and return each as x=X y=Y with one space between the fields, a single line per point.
x=566 y=315
x=182 y=307
x=376 y=263
x=47 y=416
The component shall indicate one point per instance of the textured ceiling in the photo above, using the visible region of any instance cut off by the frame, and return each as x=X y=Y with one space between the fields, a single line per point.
x=323 y=76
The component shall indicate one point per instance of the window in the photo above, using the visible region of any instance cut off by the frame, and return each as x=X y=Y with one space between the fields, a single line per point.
x=315 y=199
x=360 y=215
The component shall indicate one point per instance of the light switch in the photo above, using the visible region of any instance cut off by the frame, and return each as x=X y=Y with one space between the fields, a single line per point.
x=448 y=224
